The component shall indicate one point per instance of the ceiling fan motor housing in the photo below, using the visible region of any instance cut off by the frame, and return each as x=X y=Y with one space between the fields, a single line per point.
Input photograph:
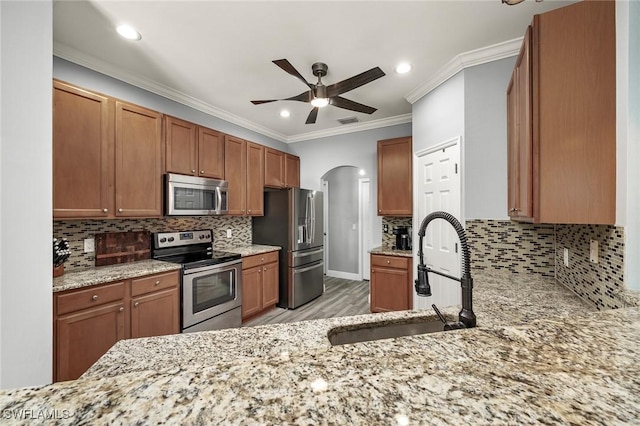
x=319 y=69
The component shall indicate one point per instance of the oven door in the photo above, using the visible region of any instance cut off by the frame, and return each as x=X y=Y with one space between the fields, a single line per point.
x=210 y=291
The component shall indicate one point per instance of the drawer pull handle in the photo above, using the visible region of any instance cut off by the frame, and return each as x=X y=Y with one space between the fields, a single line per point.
x=135 y=305
x=157 y=282
x=94 y=297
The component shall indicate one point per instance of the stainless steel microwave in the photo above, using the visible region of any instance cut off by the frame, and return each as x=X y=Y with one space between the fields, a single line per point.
x=195 y=196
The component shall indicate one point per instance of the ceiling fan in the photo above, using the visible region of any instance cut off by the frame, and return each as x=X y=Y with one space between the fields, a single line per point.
x=320 y=95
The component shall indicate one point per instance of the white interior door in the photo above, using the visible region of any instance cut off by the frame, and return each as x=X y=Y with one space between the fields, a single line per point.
x=438 y=188
x=325 y=225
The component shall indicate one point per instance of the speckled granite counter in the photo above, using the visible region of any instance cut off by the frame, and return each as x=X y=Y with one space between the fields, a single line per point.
x=105 y=274
x=571 y=365
x=253 y=249
x=388 y=251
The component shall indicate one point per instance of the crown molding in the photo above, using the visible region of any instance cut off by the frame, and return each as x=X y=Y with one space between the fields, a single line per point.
x=465 y=60
x=65 y=52
x=352 y=128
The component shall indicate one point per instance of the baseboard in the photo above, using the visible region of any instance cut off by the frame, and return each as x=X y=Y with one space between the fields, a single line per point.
x=344 y=275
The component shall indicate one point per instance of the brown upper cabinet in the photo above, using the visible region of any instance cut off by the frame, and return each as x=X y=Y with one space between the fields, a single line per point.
x=562 y=98
x=281 y=170
x=395 y=170
x=244 y=170
x=107 y=156
x=291 y=171
x=193 y=150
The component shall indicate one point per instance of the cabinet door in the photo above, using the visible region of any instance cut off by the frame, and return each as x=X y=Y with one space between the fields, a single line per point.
x=512 y=144
x=255 y=179
x=395 y=177
x=292 y=171
x=82 y=155
x=235 y=172
x=270 y=290
x=210 y=153
x=156 y=314
x=251 y=291
x=389 y=290
x=85 y=336
x=524 y=190
x=180 y=146
x=138 y=161
x=273 y=168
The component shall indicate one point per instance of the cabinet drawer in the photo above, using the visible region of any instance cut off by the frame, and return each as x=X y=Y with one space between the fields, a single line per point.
x=259 y=259
x=94 y=296
x=390 y=261
x=154 y=283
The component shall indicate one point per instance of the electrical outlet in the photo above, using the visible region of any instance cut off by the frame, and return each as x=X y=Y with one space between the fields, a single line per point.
x=566 y=257
x=228 y=233
x=593 y=251
x=89 y=245
x=385 y=228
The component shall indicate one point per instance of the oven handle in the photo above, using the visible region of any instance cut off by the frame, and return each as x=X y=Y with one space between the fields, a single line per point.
x=216 y=268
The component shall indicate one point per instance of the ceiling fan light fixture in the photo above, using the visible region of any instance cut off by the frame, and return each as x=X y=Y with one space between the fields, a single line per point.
x=128 y=32
x=320 y=102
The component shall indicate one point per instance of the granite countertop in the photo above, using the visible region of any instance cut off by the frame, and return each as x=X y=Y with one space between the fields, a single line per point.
x=105 y=274
x=539 y=355
x=388 y=251
x=123 y=271
x=252 y=249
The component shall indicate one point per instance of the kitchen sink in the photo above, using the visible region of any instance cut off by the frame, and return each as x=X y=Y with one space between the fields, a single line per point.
x=368 y=332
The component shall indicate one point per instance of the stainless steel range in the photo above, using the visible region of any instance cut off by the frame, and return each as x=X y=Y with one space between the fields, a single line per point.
x=211 y=280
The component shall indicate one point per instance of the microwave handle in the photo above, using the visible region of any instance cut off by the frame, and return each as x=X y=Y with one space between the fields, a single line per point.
x=219 y=203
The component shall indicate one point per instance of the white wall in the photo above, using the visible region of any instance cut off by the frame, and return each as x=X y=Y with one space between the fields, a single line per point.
x=25 y=193
x=101 y=83
x=357 y=149
x=485 y=141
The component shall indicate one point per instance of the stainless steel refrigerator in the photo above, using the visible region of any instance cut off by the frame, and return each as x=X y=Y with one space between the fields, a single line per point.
x=293 y=220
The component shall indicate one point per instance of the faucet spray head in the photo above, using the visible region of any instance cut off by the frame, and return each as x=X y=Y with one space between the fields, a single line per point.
x=422 y=283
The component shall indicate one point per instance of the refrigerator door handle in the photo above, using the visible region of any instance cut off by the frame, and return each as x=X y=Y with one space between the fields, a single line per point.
x=299 y=271
x=313 y=219
x=309 y=253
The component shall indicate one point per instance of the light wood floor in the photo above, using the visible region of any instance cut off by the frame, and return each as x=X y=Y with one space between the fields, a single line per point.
x=341 y=298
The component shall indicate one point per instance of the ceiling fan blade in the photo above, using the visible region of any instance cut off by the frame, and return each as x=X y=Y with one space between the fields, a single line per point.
x=341 y=102
x=286 y=65
x=311 y=119
x=354 y=82
x=302 y=97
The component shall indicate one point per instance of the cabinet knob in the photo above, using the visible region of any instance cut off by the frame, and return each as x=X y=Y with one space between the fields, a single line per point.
x=135 y=305
x=120 y=210
x=121 y=309
x=94 y=297
x=373 y=271
x=105 y=210
x=157 y=282
x=193 y=171
x=262 y=259
x=388 y=262
x=201 y=172
x=259 y=270
x=265 y=269
x=249 y=211
x=379 y=211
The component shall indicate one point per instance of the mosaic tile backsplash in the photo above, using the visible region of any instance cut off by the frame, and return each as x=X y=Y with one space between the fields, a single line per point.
x=77 y=230
x=599 y=283
x=513 y=246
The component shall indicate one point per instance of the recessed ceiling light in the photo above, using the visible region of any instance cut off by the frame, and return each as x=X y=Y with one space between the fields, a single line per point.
x=362 y=172
x=128 y=32
x=403 y=68
x=284 y=113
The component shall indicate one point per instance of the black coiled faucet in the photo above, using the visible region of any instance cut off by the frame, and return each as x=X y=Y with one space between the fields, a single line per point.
x=467 y=318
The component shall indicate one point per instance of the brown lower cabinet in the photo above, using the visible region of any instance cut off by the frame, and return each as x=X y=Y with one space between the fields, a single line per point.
x=259 y=284
x=88 y=321
x=391 y=287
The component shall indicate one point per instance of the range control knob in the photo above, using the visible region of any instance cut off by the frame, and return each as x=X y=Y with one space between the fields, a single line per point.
x=163 y=240
x=171 y=239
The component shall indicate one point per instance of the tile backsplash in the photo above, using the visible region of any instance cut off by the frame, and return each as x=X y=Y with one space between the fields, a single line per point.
x=601 y=282
x=512 y=246
x=77 y=230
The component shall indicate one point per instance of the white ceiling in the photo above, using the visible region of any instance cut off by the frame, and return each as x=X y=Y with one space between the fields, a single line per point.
x=216 y=55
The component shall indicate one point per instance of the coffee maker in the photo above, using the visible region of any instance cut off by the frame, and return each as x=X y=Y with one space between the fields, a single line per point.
x=403 y=239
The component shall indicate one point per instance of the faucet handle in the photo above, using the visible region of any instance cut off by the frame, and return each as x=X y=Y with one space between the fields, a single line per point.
x=457 y=325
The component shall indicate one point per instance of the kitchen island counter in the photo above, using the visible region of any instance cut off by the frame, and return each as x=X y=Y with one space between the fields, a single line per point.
x=539 y=355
